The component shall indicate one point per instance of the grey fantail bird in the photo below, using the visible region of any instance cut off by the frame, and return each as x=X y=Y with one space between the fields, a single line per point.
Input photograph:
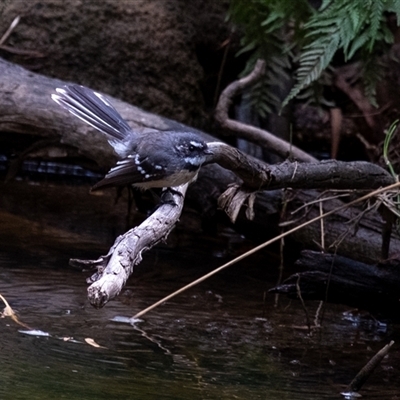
x=147 y=160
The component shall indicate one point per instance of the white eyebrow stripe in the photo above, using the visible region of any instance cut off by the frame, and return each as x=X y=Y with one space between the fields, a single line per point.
x=196 y=144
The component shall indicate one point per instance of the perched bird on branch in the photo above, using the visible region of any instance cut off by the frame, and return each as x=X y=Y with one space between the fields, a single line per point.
x=152 y=159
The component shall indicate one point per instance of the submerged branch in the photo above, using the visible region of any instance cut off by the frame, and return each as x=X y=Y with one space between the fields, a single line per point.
x=369 y=368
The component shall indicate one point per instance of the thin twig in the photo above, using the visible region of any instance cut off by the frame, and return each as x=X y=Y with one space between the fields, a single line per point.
x=353 y=224
x=321 y=212
x=317 y=319
x=320 y=200
x=226 y=44
x=303 y=304
x=22 y=52
x=328 y=283
x=261 y=246
x=367 y=370
x=285 y=201
x=9 y=30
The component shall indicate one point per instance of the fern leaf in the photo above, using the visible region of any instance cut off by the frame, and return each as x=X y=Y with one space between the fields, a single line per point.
x=286 y=31
x=376 y=16
x=356 y=20
x=325 y=4
x=312 y=62
x=250 y=46
x=357 y=44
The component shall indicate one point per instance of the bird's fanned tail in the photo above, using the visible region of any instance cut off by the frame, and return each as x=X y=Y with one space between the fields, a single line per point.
x=93 y=108
x=147 y=159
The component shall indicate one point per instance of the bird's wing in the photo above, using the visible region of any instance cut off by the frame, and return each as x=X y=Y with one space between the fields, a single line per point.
x=133 y=170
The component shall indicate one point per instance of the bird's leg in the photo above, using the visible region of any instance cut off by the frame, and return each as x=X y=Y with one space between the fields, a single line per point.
x=167 y=196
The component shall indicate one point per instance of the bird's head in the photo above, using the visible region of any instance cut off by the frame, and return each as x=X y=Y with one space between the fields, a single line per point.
x=193 y=150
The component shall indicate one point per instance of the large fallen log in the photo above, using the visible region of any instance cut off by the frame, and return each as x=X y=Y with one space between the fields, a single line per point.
x=339 y=279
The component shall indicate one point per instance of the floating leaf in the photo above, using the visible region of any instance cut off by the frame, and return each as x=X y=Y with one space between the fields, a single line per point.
x=9 y=312
x=91 y=342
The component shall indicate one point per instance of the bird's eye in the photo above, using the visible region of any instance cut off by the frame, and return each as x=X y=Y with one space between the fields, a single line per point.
x=192 y=148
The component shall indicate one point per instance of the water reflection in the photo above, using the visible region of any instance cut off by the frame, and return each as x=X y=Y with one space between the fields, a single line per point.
x=216 y=341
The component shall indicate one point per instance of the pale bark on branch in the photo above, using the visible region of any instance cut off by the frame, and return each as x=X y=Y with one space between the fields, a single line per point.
x=114 y=269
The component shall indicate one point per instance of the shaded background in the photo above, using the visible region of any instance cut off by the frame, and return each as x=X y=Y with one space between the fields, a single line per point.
x=224 y=338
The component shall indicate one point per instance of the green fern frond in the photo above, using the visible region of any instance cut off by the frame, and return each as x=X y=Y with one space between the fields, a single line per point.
x=375 y=21
x=357 y=44
x=265 y=37
x=356 y=20
x=373 y=71
x=325 y=4
x=313 y=61
x=262 y=95
x=314 y=94
x=349 y=25
x=249 y=46
x=287 y=32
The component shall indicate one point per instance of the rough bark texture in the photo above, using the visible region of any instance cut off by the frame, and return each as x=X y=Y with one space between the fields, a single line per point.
x=342 y=280
x=114 y=269
x=26 y=107
x=161 y=54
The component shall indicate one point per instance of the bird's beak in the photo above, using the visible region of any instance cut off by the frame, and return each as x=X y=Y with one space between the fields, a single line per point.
x=209 y=156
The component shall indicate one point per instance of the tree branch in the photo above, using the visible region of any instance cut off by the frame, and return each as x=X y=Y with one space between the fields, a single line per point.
x=114 y=269
x=257 y=175
x=257 y=135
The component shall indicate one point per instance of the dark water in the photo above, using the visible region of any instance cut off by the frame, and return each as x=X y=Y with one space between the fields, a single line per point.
x=220 y=340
